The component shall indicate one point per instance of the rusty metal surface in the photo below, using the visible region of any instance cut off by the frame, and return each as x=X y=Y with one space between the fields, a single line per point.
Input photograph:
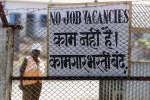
x=2 y=62
x=3 y=16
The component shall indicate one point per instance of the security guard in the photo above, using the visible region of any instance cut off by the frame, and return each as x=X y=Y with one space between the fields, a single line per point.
x=31 y=68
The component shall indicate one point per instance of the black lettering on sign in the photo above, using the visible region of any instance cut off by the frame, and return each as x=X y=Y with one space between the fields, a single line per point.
x=90 y=38
x=66 y=39
x=73 y=17
x=105 y=62
x=55 y=18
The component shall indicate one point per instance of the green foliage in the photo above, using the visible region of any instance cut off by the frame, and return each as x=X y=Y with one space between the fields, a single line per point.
x=143 y=43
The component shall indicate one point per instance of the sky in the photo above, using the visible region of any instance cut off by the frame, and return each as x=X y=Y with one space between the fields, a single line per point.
x=77 y=1
x=71 y=1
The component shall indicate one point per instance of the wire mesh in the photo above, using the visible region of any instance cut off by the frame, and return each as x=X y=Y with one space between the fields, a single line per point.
x=25 y=38
x=89 y=90
x=140 y=35
x=65 y=90
x=34 y=21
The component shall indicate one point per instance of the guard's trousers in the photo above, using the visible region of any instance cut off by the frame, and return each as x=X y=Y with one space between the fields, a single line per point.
x=32 y=92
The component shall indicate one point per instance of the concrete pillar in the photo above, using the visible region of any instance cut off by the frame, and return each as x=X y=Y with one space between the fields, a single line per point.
x=6 y=51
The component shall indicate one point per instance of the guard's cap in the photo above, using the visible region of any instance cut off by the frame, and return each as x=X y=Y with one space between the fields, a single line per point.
x=36 y=46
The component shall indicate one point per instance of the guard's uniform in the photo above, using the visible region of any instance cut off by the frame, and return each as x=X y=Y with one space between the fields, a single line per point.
x=32 y=88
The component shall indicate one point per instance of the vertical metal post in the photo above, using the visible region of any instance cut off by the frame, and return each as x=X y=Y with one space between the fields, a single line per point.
x=3 y=16
x=5 y=63
x=100 y=90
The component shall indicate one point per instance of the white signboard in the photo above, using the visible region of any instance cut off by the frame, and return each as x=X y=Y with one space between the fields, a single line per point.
x=89 y=40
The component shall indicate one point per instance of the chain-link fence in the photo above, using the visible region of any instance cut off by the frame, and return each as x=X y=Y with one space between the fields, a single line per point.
x=34 y=20
x=140 y=33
